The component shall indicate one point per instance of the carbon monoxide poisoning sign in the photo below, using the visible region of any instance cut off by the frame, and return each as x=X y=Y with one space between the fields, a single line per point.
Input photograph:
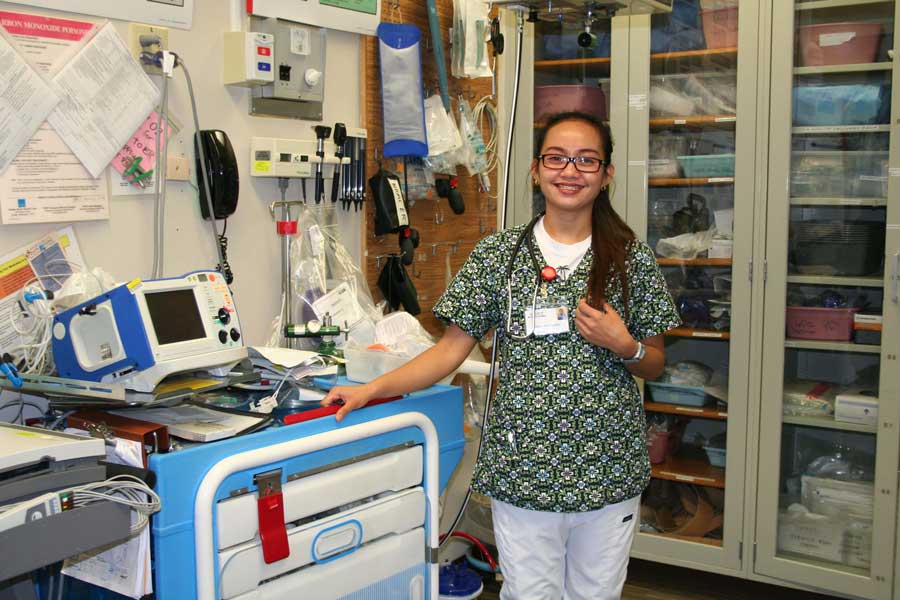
x=168 y=13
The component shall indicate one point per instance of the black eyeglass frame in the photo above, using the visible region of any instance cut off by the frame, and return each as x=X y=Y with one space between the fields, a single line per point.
x=574 y=160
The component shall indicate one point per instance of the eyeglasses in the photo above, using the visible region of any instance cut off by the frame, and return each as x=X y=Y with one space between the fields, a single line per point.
x=585 y=164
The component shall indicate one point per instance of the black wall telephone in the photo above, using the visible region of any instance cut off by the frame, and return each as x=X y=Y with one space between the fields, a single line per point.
x=221 y=170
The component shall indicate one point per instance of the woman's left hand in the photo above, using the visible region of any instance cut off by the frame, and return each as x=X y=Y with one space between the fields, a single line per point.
x=604 y=328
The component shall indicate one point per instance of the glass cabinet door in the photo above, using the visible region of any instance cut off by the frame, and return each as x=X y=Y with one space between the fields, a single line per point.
x=695 y=182
x=827 y=510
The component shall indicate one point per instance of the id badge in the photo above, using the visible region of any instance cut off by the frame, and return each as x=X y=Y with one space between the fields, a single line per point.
x=548 y=318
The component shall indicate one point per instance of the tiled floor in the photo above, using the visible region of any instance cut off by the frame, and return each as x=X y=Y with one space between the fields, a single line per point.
x=653 y=581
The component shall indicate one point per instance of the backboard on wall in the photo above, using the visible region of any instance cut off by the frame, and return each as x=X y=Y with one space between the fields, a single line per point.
x=355 y=16
x=168 y=13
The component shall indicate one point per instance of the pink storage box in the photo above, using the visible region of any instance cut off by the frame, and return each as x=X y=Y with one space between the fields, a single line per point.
x=810 y=323
x=552 y=99
x=720 y=27
x=838 y=43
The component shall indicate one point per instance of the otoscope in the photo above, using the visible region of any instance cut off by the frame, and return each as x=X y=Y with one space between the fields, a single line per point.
x=340 y=136
x=322 y=133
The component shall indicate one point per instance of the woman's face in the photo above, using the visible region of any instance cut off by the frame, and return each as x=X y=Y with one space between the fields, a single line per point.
x=569 y=189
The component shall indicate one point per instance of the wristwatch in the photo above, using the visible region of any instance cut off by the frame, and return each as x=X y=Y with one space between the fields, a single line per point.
x=638 y=356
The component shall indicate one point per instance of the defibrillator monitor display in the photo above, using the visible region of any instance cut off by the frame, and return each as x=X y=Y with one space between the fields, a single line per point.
x=175 y=316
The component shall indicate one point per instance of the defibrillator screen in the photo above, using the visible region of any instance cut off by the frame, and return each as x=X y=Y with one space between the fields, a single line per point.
x=175 y=316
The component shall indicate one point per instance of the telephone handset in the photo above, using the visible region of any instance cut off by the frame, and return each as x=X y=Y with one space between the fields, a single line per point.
x=222 y=173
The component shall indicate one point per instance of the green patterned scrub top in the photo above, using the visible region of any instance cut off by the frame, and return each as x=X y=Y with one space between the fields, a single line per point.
x=566 y=429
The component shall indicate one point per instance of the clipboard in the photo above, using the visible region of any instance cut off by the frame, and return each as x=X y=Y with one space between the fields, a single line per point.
x=153 y=437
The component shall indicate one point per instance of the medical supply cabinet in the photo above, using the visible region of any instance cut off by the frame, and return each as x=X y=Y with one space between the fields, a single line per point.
x=757 y=153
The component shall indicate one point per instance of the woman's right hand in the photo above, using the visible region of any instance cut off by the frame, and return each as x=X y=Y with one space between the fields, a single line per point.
x=351 y=396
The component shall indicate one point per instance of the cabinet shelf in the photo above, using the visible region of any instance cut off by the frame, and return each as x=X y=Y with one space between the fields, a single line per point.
x=831 y=280
x=854 y=68
x=686 y=538
x=676 y=182
x=830 y=129
x=704 y=412
x=828 y=423
x=687 y=332
x=689 y=470
x=804 y=201
x=576 y=67
x=699 y=121
x=693 y=262
x=836 y=4
x=732 y=51
x=833 y=346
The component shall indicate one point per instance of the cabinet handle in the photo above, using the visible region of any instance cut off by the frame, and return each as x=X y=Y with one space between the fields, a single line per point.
x=895 y=284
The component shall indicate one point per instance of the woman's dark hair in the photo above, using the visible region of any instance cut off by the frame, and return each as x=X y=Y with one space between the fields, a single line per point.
x=610 y=235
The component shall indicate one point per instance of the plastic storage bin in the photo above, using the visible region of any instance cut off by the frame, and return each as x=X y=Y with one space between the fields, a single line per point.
x=844 y=248
x=826 y=324
x=678 y=31
x=720 y=27
x=670 y=393
x=365 y=365
x=838 y=43
x=711 y=165
x=658 y=444
x=834 y=174
x=664 y=150
x=552 y=99
x=820 y=105
x=716 y=456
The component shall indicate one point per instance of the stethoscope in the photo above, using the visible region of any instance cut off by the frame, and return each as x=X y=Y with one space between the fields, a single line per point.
x=542 y=275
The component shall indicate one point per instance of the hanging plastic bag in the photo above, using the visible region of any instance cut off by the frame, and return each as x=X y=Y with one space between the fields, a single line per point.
x=477 y=27
x=403 y=109
x=475 y=153
x=443 y=135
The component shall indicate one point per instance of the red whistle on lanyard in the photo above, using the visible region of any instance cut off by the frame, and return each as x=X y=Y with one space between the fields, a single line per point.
x=548 y=273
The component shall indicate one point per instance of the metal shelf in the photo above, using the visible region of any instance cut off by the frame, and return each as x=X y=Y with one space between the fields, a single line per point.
x=828 y=423
x=803 y=201
x=833 y=346
x=829 y=129
x=854 y=68
x=831 y=280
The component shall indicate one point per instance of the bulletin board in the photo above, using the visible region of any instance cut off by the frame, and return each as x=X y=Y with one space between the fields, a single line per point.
x=168 y=13
x=446 y=238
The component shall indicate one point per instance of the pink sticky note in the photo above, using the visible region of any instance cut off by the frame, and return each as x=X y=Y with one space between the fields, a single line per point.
x=142 y=143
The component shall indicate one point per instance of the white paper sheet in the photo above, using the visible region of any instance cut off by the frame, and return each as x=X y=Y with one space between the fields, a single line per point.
x=46 y=182
x=25 y=101
x=105 y=96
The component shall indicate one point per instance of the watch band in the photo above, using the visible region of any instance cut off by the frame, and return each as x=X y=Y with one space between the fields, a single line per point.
x=638 y=355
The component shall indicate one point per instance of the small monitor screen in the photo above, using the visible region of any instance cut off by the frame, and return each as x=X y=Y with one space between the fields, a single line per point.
x=175 y=316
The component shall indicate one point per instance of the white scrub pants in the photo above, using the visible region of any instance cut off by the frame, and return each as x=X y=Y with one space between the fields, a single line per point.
x=569 y=556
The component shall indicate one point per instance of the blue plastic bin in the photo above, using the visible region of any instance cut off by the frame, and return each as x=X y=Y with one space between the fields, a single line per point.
x=678 y=31
x=685 y=395
x=852 y=104
x=709 y=165
x=565 y=45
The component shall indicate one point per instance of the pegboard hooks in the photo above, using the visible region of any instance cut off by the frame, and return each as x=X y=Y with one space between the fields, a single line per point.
x=380 y=256
x=394 y=13
x=454 y=246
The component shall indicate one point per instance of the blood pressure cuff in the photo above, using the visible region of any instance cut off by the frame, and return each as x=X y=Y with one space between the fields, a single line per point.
x=397 y=287
x=390 y=207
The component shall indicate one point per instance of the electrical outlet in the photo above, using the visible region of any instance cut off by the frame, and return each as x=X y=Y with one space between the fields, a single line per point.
x=178 y=168
x=145 y=41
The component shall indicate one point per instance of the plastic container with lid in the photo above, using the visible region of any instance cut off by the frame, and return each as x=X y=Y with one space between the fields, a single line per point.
x=838 y=43
x=720 y=27
x=826 y=324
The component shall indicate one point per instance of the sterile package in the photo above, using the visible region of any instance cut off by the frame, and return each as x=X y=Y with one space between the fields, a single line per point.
x=686 y=245
x=838 y=540
x=838 y=498
x=808 y=398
